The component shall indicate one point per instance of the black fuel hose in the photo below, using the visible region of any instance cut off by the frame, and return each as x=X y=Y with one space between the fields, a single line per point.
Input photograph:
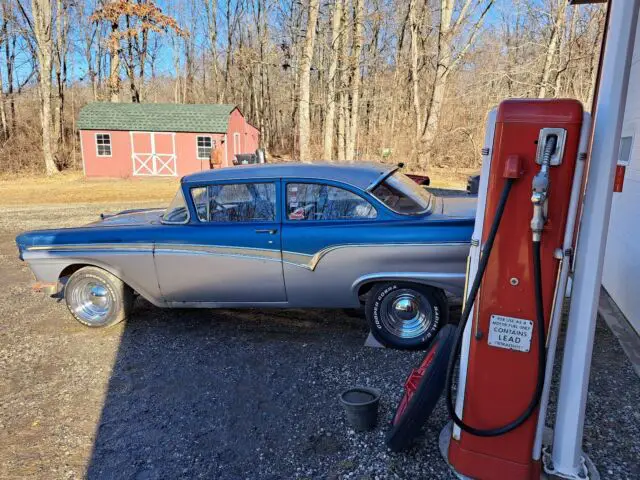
x=542 y=358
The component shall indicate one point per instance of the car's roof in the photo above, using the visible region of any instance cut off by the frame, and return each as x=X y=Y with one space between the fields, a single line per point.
x=360 y=175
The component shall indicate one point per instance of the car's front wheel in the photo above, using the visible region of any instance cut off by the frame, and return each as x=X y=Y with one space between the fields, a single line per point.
x=96 y=298
x=406 y=315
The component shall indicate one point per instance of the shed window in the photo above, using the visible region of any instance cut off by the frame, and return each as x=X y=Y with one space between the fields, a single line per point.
x=103 y=144
x=205 y=145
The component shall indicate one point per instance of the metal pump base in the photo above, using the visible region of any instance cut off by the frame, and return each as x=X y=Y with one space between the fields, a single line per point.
x=589 y=469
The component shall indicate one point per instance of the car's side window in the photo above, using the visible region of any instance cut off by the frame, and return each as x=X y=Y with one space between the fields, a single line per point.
x=237 y=202
x=315 y=201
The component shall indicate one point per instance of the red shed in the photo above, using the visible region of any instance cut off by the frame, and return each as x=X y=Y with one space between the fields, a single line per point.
x=154 y=139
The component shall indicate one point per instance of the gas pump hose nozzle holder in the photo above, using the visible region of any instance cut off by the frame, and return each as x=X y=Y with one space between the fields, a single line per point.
x=540 y=189
x=539 y=197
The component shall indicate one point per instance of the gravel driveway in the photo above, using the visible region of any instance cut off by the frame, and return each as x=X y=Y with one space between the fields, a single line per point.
x=224 y=394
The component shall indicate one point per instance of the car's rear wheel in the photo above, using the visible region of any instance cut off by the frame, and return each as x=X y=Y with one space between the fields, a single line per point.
x=96 y=298
x=406 y=315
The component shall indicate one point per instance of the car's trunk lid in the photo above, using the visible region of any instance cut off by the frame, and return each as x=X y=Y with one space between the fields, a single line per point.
x=462 y=206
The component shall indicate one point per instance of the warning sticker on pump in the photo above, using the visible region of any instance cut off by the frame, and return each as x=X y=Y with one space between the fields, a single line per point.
x=510 y=333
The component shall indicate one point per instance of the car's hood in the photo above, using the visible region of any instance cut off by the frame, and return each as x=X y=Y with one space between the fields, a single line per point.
x=459 y=206
x=130 y=217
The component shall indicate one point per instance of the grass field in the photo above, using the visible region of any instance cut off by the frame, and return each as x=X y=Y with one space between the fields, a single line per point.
x=68 y=188
x=74 y=188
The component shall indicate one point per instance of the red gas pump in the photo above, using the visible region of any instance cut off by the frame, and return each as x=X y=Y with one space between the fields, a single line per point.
x=527 y=205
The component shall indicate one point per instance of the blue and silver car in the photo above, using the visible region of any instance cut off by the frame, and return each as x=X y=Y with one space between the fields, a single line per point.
x=361 y=236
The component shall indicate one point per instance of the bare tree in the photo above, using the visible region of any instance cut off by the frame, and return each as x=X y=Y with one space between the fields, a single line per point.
x=557 y=30
x=42 y=16
x=358 y=13
x=336 y=25
x=305 y=74
x=139 y=18
x=448 y=58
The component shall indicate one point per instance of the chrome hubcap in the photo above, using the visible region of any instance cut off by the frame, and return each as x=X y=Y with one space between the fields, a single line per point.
x=406 y=313
x=91 y=300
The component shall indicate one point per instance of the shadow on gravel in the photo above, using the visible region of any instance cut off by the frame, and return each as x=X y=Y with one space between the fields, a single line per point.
x=227 y=394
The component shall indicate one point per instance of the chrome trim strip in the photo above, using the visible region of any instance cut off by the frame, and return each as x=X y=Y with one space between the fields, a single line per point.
x=237 y=252
x=312 y=263
x=92 y=247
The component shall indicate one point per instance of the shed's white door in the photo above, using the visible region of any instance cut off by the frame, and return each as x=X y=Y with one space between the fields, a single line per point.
x=154 y=153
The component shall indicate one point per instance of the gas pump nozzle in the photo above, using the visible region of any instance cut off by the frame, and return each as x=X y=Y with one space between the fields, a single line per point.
x=540 y=188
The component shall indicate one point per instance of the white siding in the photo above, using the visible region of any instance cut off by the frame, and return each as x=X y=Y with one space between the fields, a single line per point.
x=621 y=276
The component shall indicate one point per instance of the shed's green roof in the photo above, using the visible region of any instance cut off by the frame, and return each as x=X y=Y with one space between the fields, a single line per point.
x=155 y=117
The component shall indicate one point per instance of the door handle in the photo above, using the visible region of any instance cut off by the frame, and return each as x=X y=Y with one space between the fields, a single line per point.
x=270 y=231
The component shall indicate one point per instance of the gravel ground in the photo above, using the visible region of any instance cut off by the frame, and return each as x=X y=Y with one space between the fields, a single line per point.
x=224 y=394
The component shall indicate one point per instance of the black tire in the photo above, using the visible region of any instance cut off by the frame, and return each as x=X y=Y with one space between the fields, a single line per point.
x=405 y=427
x=116 y=296
x=430 y=301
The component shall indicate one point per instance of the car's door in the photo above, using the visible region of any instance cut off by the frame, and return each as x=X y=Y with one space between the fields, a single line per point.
x=320 y=219
x=229 y=254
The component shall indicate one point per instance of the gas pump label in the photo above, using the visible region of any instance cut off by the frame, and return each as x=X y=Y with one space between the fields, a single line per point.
x=510 y=333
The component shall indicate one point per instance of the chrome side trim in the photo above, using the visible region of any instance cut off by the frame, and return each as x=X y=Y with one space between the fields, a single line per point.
x=92 y=247
x=310 y=262
x=227 y=304
x=240 y=252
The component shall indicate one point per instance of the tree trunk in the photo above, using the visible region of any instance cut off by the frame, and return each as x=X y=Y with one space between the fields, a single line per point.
x=60 y=60
x=446 y=63
x=343 y=83
x=42 y=14
x=336 y=25
x=3 y=111
x=114 y=66
x=10 y=39
x=415 y=84
x=305 y=75
x=355 y=79
x=552 y=46
x=211 y=9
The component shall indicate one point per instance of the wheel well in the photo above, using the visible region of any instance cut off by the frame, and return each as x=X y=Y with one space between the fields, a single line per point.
x=364 y=289
x=71 y=269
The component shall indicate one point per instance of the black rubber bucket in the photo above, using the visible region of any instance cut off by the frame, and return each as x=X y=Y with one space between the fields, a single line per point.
x=361 y=406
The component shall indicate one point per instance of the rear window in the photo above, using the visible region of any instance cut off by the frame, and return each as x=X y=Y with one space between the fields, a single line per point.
x=403 y=195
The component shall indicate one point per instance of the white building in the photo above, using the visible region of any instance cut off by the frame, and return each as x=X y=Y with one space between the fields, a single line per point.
x=621 y=274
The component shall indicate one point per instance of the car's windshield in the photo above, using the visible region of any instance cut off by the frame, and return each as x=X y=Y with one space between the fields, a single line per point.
x=403 y=195
x=177 y=211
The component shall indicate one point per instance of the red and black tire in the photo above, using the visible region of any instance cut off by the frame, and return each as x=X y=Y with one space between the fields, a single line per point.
x=423 y=388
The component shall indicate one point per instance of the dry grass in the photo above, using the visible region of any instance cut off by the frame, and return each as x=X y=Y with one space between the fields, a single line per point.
x=74 y=188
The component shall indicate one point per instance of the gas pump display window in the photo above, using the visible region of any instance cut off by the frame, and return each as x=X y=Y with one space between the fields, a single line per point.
x=403 y=195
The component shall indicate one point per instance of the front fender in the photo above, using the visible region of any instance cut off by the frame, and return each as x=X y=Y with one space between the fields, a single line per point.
x=136 y=270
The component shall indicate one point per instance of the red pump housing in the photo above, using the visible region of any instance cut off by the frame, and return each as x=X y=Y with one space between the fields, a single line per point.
x=500 y=382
